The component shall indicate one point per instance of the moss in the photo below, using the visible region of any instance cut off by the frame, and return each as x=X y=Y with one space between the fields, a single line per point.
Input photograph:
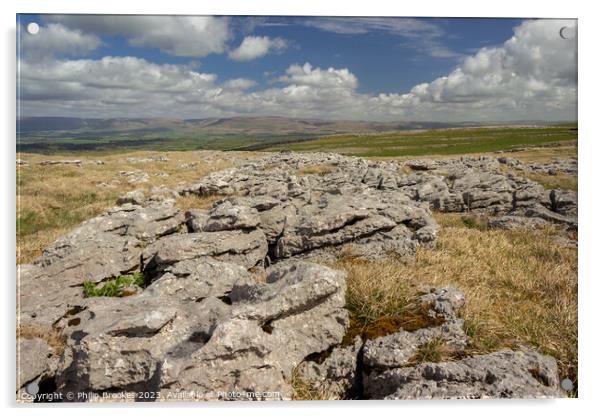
x=409 y=320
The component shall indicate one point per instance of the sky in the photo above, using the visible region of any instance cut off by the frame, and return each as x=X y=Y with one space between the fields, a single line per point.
x=348 y=68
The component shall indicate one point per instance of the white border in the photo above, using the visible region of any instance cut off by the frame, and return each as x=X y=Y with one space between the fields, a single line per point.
x=590 y=144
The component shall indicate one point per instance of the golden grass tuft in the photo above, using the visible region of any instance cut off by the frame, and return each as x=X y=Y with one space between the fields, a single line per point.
x=435 y=351
x=303 y=390
x=51 y=336
x=195 y=202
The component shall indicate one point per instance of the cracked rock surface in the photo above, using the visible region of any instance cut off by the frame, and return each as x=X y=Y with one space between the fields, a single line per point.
x=232 y=302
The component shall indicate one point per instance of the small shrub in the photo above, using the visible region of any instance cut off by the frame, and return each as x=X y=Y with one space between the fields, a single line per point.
x=114 y=287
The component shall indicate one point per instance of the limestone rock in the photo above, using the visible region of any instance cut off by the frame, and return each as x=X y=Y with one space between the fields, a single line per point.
x=135 y=197
x=337 y=376
x=502 y=374
x=226 y=216
x=398 y=349
x=34 y=358
x=247 y=248
x=443 y=302
x=196 y=219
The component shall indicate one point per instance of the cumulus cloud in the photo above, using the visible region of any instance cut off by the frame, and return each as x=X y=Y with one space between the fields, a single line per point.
x=534 y=72
x=316 y=77
x=56 y=40
x=253 y=47
x=189 y=36
x=531 y=76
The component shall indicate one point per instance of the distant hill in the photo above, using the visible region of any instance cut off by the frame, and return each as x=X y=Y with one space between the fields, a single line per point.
x=260 y=125
x=50 y=134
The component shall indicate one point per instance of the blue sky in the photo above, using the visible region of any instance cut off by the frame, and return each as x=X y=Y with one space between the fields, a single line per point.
x=377 y=68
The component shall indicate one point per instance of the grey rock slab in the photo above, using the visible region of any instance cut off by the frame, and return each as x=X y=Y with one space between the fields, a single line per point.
x=228 y=216
x=273 y=327
x=246 y=248
x=398 y=349
x=196 y=219
x=117 y=344
x=34 y=358
x=502 y=374
x=564 y=202
x=337 y=376
x=443 y=302
x=515 y=222
x=198 y=279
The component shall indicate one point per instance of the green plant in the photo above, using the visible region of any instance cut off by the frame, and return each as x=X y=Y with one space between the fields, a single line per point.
x=114 y=287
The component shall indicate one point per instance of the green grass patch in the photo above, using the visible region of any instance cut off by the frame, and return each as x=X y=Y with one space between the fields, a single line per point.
x=114 y=287
x=438 y=141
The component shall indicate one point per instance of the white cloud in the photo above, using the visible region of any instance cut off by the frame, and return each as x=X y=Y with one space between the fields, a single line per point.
x=253 y=47
x=531 y=76
x=316 y=77
x=56 y=40
x=190 y=36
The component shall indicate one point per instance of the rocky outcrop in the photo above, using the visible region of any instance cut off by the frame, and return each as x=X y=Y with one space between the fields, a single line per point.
x=556 y=166
x=468 y=184
x=75 y=162
x=205 y=324
x=230 y=305
x=103 y=247
x=147 y=159
x=135 y=176
x=315 y=216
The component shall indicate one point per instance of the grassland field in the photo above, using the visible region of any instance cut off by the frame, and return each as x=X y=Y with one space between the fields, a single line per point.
x=451 y=141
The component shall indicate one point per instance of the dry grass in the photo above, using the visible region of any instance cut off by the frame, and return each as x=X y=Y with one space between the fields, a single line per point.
x=316 y=170
x=520 y=287
x=53 y=199
x=558 y=181
x=541 y=154
x=303 y=390
x=194 y=202
x=52 y=337
x=434 y=351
